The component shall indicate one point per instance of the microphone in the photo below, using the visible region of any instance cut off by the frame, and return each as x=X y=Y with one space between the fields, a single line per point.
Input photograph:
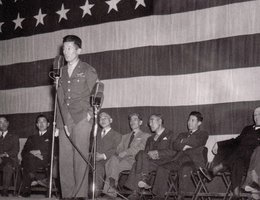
x=57 y=64
x=97 y=94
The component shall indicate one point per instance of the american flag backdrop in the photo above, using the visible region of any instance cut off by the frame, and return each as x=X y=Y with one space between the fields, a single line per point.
x=154 y=56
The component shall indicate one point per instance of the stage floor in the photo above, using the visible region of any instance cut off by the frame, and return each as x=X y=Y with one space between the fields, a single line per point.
x=44 y=198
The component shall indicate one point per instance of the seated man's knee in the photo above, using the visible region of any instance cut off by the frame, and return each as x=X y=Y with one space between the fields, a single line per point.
x=140 y=155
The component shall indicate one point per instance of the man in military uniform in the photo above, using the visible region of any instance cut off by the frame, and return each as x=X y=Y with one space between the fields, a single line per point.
x=75 y=112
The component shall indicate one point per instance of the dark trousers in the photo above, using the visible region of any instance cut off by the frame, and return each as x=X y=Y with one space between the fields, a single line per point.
x=179 y=165
x=7 y=166
x=238 y=168
x=143 y=166
x=30 y=165
x=100 y=174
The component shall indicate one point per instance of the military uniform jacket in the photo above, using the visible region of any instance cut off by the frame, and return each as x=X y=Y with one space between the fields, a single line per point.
x=74 y=93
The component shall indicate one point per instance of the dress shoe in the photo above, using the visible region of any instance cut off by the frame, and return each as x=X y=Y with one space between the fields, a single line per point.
x=5 y=193
x=206 y=173
x=25 y=194
x=143 y=184
x=34 y=183
x=253 y=187
x=44 y=183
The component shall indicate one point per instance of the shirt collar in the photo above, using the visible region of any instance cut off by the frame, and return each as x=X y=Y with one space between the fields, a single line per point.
x=160 y=132
x=256 y=127
x=192 y=131
x=4 y=133
x=106 y=130
x=135 y=132
x=42 y=132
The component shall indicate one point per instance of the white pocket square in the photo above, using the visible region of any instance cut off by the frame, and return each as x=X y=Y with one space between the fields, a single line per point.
x=165 y=138
x=47 y=140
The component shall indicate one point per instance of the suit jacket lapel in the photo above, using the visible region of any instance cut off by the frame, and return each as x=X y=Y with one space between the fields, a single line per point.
x=161 y=136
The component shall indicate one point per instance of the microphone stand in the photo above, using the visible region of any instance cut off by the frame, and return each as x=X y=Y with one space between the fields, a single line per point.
x=96 y=107
x=57 y=77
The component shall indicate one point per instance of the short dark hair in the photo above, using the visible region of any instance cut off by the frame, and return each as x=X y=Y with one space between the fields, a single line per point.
x=73 y=38
x=135 y=114
x=2 y=116
x=197 y=114
x=41 y=116
x=158 y=116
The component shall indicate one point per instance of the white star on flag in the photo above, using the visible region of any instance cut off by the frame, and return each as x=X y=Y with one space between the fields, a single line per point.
x=40 y=17
x=139 y=2
x=18 y=22
x=62 y=12
x=112 y=5
x=1 y=2
x=86 y=8
x=1 y=23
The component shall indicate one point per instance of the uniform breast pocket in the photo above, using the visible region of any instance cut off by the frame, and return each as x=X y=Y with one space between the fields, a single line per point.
x=78 y=84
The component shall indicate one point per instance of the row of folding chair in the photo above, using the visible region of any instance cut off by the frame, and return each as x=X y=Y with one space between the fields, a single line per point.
x=42 y=173
x=202 y=191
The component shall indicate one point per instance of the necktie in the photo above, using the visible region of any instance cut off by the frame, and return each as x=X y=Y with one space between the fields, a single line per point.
x=190 y=132
x=103 y=133
x=1 y=135
x=131 y=139
x=156 y=137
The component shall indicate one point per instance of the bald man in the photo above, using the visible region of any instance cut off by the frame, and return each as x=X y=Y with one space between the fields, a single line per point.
x=234 y=154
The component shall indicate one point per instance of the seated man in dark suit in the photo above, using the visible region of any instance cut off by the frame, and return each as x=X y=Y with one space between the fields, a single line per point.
x=9 y=148
x=36 y=153
x=189 y=146
x=234 y=155
x=158 y=150
x=107 y=142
